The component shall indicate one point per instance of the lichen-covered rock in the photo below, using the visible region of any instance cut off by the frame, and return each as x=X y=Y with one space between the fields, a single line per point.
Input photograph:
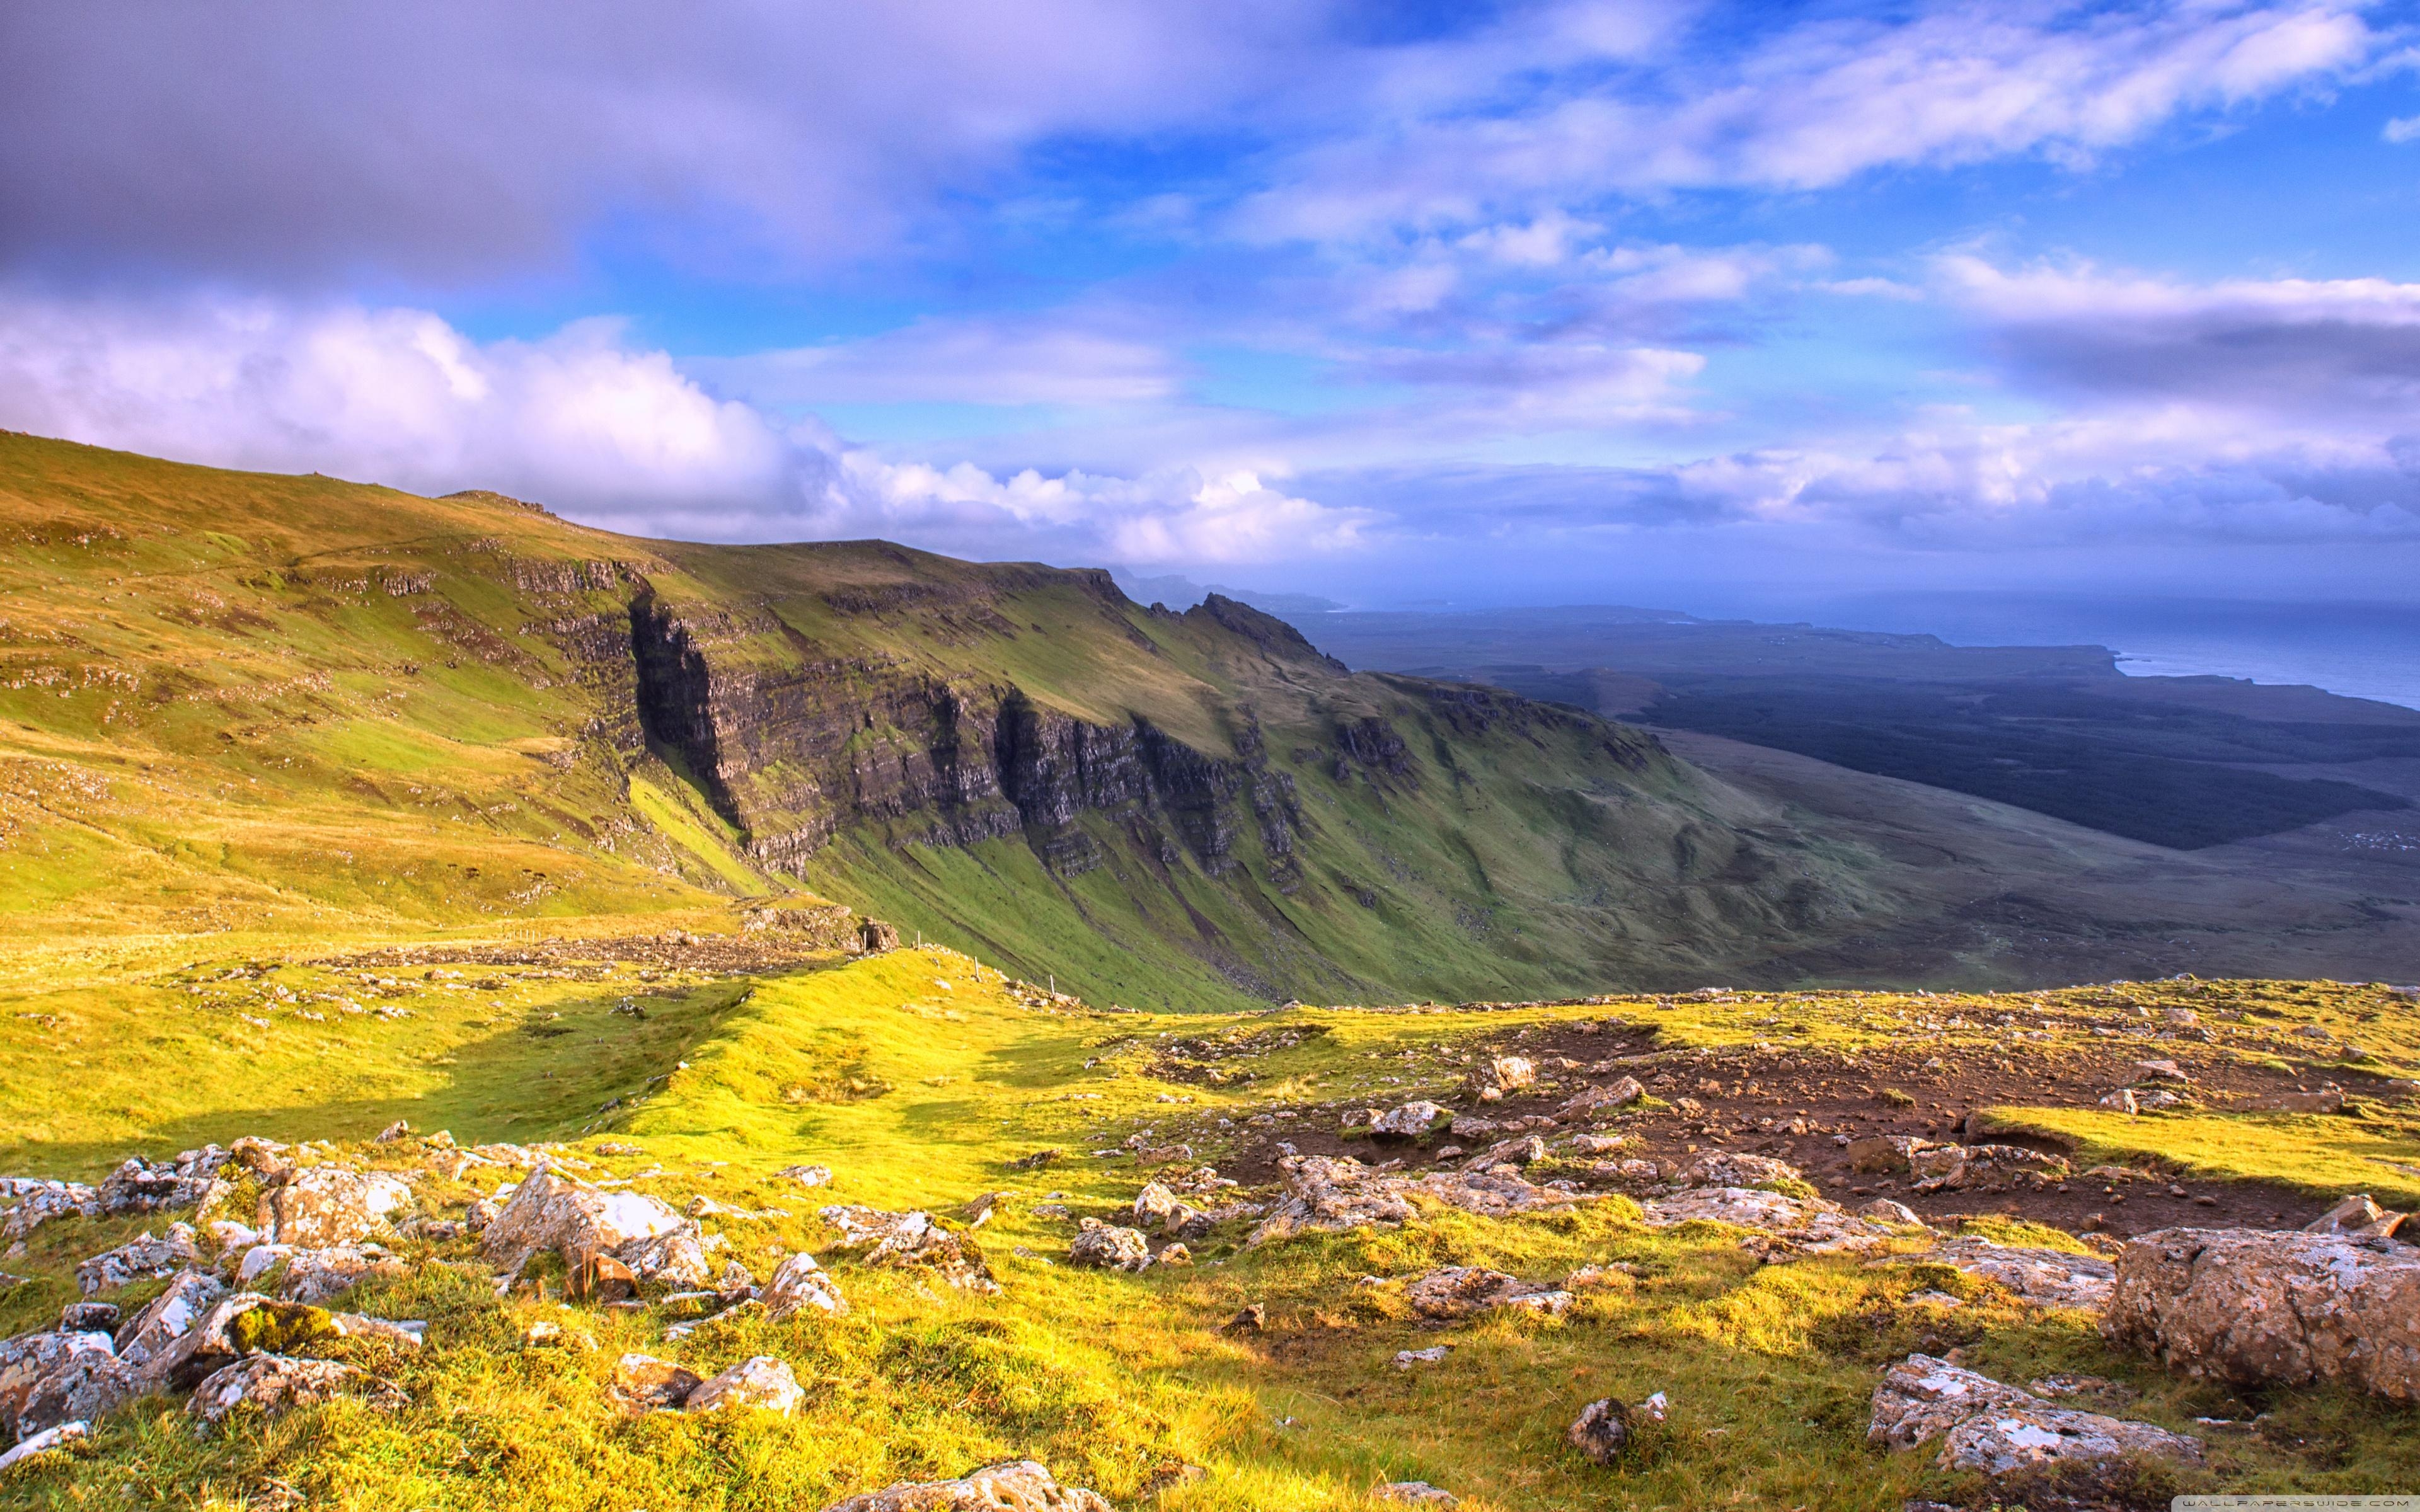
x=33 y=1202
x=273 y=1384
x=242 y=1324
x=550 y=1210
x=173 y=1312
x=675 y=1258
x=1153 y=1205
x=1885 y=1210
x=1111 y=1248
x=646 y=1382
x=1461 y=1290
x=1333 y=1196
x=2044 y=1278
x=1951 y=1167
x=43 y=1443
x=1020 y=1486
x=911 y=1239
x=1414 y=1493
x=140 y=1259
x=2255 y=1308
x=1809 y=1224
x=1598 y=1101
x=140 y=1185
x=800 y=1285
x=760 y=1383
x=327 y=1206
x=1413 y=1121
x=1996 y=1429
x=2007 y=1440
x=313 y=1275
x=1883 y=1154
x=48 y=1378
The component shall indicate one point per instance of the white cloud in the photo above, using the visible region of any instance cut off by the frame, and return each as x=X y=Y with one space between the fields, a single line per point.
x=1811 y=106
x=584 y=423
x=2402 y=129
x=979 y=362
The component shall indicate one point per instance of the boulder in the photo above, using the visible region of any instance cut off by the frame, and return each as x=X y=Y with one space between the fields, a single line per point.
x=1020 y=1486
x=1597 y=1102
x=800 y=1285
x=1109 y=1248
x=1997 y=1429
x=644 y=1382
x=2253 y=1307
x=326 y=1206
x=1883 y=1210
x=1504 y=1073
x=760 y=1383
x=272 y=1384
x=33 y=1203
x=169 y=1315
x=1413 y=1121
x=2044 y=1278
x=153 y=1186
x=2357 y=1218
x=1335 y=1195
x=1948 y=1167
x=140 y=1259
x=1601 y=1431
x=676 y=1258
x=1413 y=1493
x=898 y=1239
x=245 y=1324
x=550 y=1210
x=1462 y=1291
x=1154 y=1204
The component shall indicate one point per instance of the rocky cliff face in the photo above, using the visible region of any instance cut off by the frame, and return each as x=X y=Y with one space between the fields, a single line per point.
x=793 y=750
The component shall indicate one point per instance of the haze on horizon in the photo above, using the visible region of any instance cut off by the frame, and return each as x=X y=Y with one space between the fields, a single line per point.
x=1520 y=303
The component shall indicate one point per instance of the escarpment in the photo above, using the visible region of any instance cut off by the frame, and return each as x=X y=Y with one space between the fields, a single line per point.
x=793 y=748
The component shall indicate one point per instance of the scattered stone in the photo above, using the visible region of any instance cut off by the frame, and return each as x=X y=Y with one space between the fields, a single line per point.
x=1154 y=1205
x=43 y=1443
x=34 y=1203
x=399 y=1129
x=896 y=1239
x=2123 y=1100
x=760 y=1383
x=1335 y=1195
x=649 y=1383
x=1588 y=1144
x=2091 y=1388
x=1600 y=1278
x=1948 y=1167
x=2327 y=1100
x=1601 y=1431
x=800 y=1285
x=1996 y=1429
x=1020 y=1486
x=315 y=1275
x=1111 y=1248
x=1596 y=1102
x=2254 y=1308
x=1723 y=1169
x=1462 y=1291
x=1030 y=1162
x=1413 y=1121
x=1253 y=1318
x=1413 y=1493
x=53 y=1378
x=326 y=1206
x=1435 y=1353
x=807 y=1175
x=1812 y=1224
x=140 y=1259
x=2044 y=1278
x=545 y=1333
x=2167 y=1070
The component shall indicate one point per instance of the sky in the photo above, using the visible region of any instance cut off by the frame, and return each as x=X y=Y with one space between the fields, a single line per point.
x=1691 y=304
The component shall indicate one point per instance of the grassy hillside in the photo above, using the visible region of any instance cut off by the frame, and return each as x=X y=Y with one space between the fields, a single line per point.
x=245 y=703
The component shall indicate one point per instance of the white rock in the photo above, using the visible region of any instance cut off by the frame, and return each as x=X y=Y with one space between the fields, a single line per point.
x=760 y=1383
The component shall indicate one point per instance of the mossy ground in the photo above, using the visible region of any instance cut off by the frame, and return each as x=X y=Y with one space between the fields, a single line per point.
x=917 y=1076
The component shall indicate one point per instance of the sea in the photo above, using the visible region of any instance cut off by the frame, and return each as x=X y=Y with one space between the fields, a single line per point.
x=2359 y=650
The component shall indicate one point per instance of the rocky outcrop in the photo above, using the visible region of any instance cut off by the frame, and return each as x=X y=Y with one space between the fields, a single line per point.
x=1111 y=1248
x=799 y=1285
x=2044 y=1278
x=550 y=1210
x=2255 y=1308
x=911 y=1239
x=1462 y=1291
x=1334 y=1196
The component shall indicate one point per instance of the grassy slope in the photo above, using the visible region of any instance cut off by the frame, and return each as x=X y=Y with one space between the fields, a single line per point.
x=916 y=1075
x=243 y=702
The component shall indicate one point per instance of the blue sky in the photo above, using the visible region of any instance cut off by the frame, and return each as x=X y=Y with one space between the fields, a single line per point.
x=1696 y=305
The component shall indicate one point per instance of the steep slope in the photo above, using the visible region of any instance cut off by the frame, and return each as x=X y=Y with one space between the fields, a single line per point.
x=236 y=701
